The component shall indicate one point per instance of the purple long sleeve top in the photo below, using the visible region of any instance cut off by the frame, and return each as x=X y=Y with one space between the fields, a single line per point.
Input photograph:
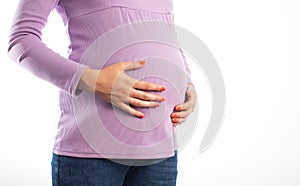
x=87 y=20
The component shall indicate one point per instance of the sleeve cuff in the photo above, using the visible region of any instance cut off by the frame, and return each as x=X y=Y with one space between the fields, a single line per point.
x=73 y=91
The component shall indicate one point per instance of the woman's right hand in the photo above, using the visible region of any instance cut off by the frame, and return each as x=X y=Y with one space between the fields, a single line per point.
x=113 y=85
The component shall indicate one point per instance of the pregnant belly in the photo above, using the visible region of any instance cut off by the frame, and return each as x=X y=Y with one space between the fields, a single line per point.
x=124 y=132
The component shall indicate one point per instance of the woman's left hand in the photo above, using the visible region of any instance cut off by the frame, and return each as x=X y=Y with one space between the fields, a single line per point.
x=182 y=111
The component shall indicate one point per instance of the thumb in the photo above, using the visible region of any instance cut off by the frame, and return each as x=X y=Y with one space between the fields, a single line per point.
x=131 y=65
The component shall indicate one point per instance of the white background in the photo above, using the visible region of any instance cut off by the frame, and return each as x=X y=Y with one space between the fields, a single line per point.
x=256 y=44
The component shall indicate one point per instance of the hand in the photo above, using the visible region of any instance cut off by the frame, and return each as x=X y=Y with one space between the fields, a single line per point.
x=182 y=111
x=113 y=85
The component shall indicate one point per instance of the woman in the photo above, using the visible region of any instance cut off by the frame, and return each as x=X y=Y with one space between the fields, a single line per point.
x=76 y=160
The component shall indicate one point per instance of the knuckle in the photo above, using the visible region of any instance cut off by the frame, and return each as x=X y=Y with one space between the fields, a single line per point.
x=145 y=97
x=129 y=100
x=131 y=92
x=138 y=103
x=186 y=114
x=147 y=86
x=150 y=86
x=132 y=112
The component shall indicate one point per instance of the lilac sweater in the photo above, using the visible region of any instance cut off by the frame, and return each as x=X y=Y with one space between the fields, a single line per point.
x=87 y=20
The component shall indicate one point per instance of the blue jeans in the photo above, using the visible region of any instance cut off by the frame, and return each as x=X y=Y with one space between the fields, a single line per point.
x=70 y=171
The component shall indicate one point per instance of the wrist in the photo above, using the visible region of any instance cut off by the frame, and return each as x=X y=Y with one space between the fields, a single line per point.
x=87 y=80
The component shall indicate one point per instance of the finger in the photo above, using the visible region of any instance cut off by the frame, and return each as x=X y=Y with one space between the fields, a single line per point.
x=131 y=65
x=191 y=87
x=143 y=85
x=188 y=104
x=145 y=96
x=141 y=103
x=185 y=106
x=125 y=107
x=182 y=114
x=190 y=93
x=178 y=121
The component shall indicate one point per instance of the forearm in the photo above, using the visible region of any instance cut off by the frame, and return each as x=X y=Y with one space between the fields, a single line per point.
x=27 y=49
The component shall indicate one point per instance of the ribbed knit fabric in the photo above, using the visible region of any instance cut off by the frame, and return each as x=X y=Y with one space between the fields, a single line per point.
x=87 y=20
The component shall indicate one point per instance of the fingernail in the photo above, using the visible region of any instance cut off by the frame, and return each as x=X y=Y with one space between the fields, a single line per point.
x=174 y=119
x=141 y=116
x=162 y=99
x=162 y=89
x=174 y=115
x=142 y=62
x=178 y=108
x=156 y=105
